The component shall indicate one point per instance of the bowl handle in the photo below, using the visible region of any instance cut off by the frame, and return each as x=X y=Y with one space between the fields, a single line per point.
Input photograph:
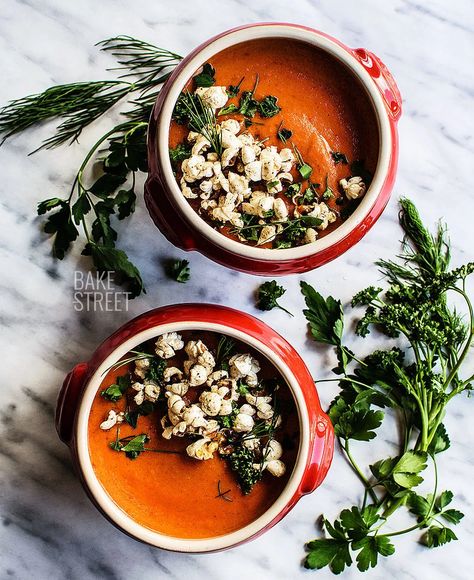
x=321 y=455
x=68 y=398
x=383 y=79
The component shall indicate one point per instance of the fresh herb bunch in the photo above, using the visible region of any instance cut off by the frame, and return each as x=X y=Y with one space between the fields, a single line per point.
x=417 y=385
x=120 y=152
x=268 y=294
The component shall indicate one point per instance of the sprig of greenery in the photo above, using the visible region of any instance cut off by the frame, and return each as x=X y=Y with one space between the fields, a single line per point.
x=179 y=270
x=268 y=294
x=415 y=308
x=121 y=152
x=200 y=117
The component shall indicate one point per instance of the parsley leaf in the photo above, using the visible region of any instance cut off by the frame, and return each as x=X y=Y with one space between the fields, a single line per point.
x=179 y=153
x=325 y=317
x=268 y=294
x=284 y=134
x=206 y=77
x=178 y=270
x=115 y=391
x=339 y=157
x=268 y=107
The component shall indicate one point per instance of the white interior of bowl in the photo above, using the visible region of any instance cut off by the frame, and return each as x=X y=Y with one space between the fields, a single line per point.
x=284 y=31
x=129 y=525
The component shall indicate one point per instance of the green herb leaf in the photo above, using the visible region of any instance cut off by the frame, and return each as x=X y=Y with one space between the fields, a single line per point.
x=61 y=225
x=107 y=184
x=325 y=317
x=339 y=157
x=328 y=552
x=268 y=294
x=178 y=270
x=206 y=77
x=179 y=153
x=284 y=134
x=268 y=107
x=370 y=547
x=437 y=536
x=234 y=90
x=115 y=391
x=113 y=260
x=228 y=109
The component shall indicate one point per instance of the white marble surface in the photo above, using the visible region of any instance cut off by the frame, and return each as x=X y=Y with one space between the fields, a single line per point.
x=50 y=530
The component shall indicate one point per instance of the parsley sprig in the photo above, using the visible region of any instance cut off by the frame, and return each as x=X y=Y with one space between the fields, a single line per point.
x=120 y=152
x=268 y=294
x=415 y=309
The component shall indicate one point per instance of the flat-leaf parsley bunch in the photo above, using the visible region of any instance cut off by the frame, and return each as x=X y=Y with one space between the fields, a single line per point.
x=417 y=383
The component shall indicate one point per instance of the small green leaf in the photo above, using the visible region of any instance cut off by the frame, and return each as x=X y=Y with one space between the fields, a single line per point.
x=206 y=77
x=328 y=552
x=338 y=157
x=440 y=441
x=80 y=208
x=112 y=260
x=444 y=499
x=178 y=270
x=48 y=205
x=325 y=317
x=125 y=202
x=228 y=110
x=115 y=391
x=268 y=294
x=437 y=536
x=284 y=134
x=107 y=184
x=452 y=516
x=268 y=107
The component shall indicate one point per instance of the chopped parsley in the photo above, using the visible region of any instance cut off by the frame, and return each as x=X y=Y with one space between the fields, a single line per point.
x=179 y=153
x=117 y=390
x=268 y=107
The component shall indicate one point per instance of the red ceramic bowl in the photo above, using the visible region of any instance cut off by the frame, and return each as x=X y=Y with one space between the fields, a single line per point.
x=316 y=432
x=182 y=225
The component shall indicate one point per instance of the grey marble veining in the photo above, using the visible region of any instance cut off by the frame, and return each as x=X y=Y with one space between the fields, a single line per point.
x=49 y=529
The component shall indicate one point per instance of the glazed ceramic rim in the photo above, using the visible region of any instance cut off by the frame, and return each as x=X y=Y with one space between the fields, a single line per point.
x=293 y=32
x=120 y=517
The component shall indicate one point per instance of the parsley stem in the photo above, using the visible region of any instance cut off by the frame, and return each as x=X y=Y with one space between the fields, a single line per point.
x=467 y=345
x=345 y=446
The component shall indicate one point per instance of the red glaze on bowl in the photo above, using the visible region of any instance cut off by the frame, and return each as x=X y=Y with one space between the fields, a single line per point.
x=186 y=230
x=316 y=432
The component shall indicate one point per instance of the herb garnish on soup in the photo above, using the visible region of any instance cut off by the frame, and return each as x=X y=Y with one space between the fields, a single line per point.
x=273 y=144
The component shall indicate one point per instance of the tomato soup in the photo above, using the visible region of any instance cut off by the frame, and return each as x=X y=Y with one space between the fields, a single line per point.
x=310 y=116
x=164 y=488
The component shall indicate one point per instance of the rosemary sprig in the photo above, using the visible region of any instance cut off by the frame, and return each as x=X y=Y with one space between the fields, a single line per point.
x=202 y=119
x=77 y=105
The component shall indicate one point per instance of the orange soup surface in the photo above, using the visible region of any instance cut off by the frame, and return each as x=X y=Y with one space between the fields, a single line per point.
x=169 y=492
x=322 y=104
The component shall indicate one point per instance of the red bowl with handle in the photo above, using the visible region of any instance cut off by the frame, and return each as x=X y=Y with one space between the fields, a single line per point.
x=183 y=227
x=316 y=442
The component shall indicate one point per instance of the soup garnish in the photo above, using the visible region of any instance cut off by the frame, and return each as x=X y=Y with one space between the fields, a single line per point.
x=214 y=398
x=246 y=186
